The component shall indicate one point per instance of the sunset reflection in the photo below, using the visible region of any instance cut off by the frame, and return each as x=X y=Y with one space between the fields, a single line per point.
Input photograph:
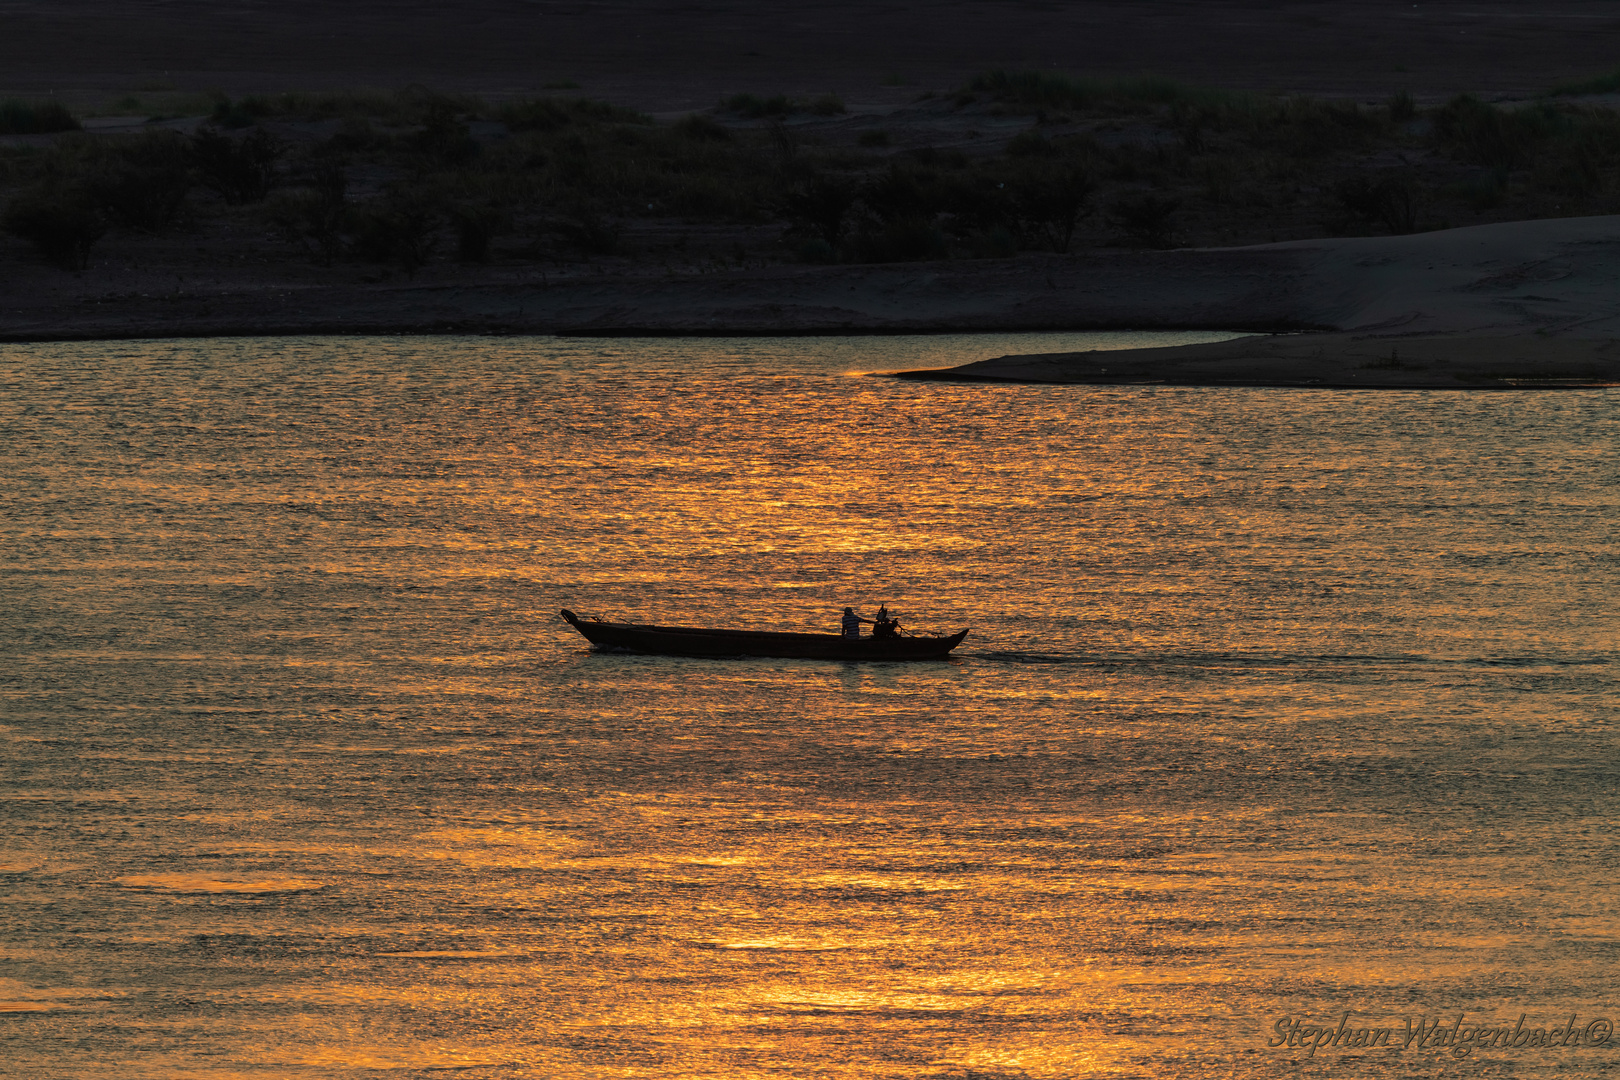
x=1274 y=704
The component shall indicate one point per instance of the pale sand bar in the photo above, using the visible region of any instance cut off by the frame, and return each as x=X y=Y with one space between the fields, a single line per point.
x=1530 y=303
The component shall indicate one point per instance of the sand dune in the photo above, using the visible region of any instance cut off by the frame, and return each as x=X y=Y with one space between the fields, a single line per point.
x=1559 y=276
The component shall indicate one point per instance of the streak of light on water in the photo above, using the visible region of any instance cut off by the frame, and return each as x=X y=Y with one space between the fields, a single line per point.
x=1277 y=703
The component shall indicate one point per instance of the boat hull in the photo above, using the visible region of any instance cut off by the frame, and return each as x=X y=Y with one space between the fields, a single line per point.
x=692 y=641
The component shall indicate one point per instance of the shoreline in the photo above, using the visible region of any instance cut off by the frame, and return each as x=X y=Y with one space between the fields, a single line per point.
x=1519 y=303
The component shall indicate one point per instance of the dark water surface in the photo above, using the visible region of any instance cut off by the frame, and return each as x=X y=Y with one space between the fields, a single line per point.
x=1277 y=703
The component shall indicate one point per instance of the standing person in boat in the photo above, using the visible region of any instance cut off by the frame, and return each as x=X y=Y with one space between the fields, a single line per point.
x=852 y=623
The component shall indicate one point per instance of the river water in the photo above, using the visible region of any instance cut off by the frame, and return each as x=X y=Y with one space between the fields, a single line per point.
x=1277 y=705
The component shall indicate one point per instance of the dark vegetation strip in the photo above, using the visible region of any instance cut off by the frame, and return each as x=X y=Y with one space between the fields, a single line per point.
x=409 y=177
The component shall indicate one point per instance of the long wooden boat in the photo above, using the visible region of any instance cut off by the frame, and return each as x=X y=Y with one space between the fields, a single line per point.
x=691 y=641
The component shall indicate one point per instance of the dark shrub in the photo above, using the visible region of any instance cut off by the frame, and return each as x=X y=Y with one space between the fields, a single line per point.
x=240 y=170
x=61 y=223
x=539 y=114
x=700 y=128
x=1390 y=199
x=1492 y=137
x=1602 y=84
x=1050 y=204
x=1398 y=208
x=1030 y=144
x=1358 y=196
x=586 y=229
x=754 y=107
x=901 y=194
x=357 y=135
x=143 y=183
x=1402 y=107
x=933 y=155
x=1033 y=90
x=1308 y=127
x=315 y=218
x=239 y=114
x=1042 y=89
x=992 y=244
x=977 y=203
x=901 y=241
x=826 y=105
x=1192 y=121
x=820 y=207
x=1483 y=192
x=1578 y=168
x=1145 y=218
x=901 y=204
x=444 y=143
x=421 y=104
x=783 y=139
x=549 y=114
x=476 y=227
x=398 y=227
x=310 y=220
x=817 y=251
x=34 y=117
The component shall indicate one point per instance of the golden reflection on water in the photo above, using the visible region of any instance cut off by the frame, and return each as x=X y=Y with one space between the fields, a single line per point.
x=1274 y=703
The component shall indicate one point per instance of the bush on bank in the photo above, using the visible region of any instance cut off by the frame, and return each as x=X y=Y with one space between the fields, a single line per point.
x=18 y=117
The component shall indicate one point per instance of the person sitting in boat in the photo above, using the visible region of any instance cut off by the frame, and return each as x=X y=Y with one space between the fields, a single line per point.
x=885 y=625
x=852 y=623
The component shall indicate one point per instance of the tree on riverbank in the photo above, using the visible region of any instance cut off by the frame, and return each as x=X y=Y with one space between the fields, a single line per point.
x=407 y=178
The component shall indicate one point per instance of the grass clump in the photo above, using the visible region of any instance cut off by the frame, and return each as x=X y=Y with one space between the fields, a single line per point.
x=1492 y=137
x=754 y=107
x=552 y=114
x=779 y=106
x=700 y=128
x=403 y=108
x=1049 y=90
x=1598 y=84
x=18 y=117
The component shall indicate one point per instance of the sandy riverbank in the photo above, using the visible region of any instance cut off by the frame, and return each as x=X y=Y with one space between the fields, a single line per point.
x=1533 y=303
x=1450 y=362
x=1541 y=281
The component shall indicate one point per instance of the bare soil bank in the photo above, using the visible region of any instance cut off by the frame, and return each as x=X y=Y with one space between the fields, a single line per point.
x=1322 y=361
x=1536 y=280
x=1240 y=289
